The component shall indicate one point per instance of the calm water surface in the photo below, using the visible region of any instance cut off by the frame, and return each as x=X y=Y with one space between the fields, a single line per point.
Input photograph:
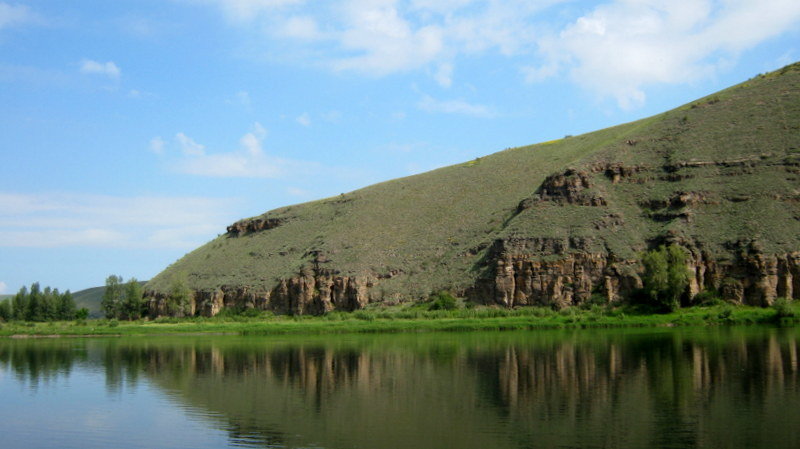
x=685 y=388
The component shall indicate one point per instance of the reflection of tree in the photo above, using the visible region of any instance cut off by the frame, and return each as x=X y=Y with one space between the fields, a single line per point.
x=604 y=389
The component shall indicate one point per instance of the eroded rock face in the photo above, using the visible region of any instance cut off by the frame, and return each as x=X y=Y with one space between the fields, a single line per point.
x=312 y=292
x=516 y=275
x=254 y=225
x=521 y=275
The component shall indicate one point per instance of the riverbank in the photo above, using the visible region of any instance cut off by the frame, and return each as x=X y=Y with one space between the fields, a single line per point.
x=411 y=320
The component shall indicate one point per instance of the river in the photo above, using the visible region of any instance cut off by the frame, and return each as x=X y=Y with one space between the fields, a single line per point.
x=635 y=388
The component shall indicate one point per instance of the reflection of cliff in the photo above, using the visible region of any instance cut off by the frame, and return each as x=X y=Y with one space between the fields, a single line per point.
x=707 y=388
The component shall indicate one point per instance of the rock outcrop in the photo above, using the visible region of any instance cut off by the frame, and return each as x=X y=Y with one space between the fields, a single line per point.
x=516 y=273
x=311 y=292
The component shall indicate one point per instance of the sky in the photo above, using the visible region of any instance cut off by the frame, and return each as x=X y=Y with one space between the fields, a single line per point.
x=133 y=131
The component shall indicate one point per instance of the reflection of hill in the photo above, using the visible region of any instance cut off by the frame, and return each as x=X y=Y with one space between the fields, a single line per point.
x=707 y=388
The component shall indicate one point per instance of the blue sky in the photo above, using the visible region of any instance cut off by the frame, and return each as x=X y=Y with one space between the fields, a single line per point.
x=132 y=131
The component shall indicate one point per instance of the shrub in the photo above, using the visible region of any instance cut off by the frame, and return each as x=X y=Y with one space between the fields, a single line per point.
x=708 y=298
x=443 y=300
x=783 y=308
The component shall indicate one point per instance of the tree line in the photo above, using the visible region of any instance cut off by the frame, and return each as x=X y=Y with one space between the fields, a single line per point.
x=39 y=304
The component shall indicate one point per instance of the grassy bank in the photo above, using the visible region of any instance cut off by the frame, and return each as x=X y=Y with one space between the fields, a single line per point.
x=415 y=319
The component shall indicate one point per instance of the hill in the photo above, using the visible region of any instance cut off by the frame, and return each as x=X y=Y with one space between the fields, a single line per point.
x=91 y=298
x=550 y=224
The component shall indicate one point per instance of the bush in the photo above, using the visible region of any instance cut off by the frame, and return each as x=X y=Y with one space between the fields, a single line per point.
x=783 y=309
x=443 y=300
x=708 y=298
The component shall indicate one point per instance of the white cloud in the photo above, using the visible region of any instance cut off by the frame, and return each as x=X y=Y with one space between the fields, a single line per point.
x=188 y=146
x=246 y=10
x=250 y=161
x=429 y=104
x=621 y=47
x=380 y=37
x=444 y=75
x=243 y=98
x=11 y=15
x=157 y=145
x=304 y=119
x=70 y=219
x=616 y=48
x=295 y=191
x=108 y=69
x=302 y=28
x=3 y=287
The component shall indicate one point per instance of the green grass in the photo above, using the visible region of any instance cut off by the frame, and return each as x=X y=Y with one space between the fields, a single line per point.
x=414 y=319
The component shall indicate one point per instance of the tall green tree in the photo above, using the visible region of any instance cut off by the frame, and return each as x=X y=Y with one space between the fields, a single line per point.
x=49 y=304
x=66 y=306
x=665 y=276
x=134 y=301
x=5 y=310
x=34 y=310
x=113 y=297
x=19 y=304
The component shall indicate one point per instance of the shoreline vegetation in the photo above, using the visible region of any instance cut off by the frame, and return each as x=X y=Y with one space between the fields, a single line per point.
x=414 y=318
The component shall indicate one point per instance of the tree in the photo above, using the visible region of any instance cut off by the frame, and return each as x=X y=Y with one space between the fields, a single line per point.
x=132 y=306
x=179 y=296
x=49 y=304
x=665 y=276
x=34 y=310
x=5 y=310
x=66 y=307
x=112 y=296
x=19 y=304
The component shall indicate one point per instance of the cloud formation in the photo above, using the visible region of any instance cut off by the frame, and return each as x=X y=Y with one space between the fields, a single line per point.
x=429 y=104
x=249 y=161
x=70 y=219
x=108 y=69
x=12 y=15
x=619 y=48
x=615 y=48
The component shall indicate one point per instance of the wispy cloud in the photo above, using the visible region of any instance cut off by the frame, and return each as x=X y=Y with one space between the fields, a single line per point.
x=157 y=145
x=619 y=48
x=13 y=15
x=72 y=219
x=616 y=48
x=304 y=119
x=108 y=69
x=188 y=146
x=429 y=104
x=249 y=161
x=3 y=287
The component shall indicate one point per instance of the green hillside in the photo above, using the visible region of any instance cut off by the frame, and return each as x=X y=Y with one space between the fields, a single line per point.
x=718 y=176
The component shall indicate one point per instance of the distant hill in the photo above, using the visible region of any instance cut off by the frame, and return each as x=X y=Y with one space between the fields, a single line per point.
x=91 y=298
x=557 y=223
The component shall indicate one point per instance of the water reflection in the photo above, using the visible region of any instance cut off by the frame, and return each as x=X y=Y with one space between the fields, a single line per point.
x=675 y=388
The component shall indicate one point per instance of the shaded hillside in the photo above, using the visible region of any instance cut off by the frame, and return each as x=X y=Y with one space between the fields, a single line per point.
x=91 y=298
x=551 y=223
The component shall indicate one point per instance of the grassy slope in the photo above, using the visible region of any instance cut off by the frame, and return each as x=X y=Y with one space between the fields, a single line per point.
x=425 y=226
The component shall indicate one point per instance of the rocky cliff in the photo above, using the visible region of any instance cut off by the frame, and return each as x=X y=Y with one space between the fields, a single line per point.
x=554 y=224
